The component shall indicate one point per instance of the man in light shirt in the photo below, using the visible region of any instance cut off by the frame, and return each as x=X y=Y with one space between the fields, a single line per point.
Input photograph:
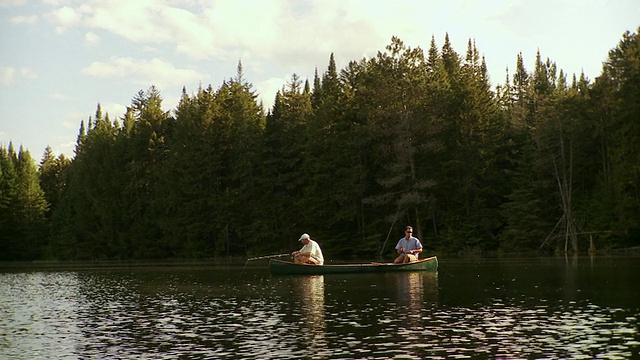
x=310 y=252
x=408 y=248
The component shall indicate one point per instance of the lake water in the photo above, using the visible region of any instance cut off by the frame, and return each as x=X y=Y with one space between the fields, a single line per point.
x=580 y=308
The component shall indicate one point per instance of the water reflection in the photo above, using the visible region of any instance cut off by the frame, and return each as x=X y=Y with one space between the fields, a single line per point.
x=404 y=326
x=503 y=331
x=31 y=308
x=311 y=292
x=410 y=291
x=523 y=309
x=312 y=297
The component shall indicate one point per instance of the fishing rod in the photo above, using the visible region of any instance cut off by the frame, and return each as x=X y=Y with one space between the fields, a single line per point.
x=259 y=258
x=268 y=256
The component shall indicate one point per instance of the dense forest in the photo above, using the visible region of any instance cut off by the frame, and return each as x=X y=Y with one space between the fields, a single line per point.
x=541 y=163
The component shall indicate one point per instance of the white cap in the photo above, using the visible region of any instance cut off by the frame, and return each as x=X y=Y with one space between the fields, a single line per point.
x=304 y=236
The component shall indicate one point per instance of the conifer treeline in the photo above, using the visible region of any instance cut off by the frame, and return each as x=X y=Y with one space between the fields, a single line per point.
x=540 y=163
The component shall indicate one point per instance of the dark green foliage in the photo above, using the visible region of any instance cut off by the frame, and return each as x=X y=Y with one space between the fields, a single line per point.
x=401 y=138
x=22 y=207
x=616 y=96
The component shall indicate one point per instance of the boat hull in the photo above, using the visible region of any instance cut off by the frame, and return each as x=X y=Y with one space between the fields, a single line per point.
x=279 y=267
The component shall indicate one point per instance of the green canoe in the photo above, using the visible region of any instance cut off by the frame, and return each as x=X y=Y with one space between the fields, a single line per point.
x=279 y=267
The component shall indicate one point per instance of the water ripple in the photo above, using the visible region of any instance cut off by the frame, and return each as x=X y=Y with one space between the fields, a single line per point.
x=189 y=315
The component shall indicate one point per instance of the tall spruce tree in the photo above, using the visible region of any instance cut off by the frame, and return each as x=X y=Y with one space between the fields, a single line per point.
x=530 y=210
x=282 y=165
x=53 y=177
x=397 y=130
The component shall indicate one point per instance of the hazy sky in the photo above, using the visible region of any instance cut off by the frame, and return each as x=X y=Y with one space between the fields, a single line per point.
x=60 y=58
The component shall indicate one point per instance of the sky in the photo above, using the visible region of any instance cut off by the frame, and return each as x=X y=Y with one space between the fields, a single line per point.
x=59 y=59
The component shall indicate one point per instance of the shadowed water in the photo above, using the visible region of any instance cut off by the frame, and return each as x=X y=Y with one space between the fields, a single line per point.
x=519 y=308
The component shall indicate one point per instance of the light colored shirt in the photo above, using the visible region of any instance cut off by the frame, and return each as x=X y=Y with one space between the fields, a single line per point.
x=411 y=243
x=314 y=249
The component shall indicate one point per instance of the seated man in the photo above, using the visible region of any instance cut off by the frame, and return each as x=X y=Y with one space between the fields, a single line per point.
x=408 y=248
x=310 y=252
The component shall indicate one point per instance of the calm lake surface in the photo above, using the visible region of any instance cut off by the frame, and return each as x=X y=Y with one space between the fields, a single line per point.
x=578 y=308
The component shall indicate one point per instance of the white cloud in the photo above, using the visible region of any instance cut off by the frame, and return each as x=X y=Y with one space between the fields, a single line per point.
x=268 y=88
x=143 y=72
x=28 y=73
x=23 y=20
x=133 y=20
x=91 y=38
x=64 y=18
x=12 y=3
x=295 y=34
x=10 y=75
x=115 y=110
x=7 y=75
x=290 y=33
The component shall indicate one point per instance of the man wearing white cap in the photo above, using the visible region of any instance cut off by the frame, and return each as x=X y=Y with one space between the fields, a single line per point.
x=310 y=252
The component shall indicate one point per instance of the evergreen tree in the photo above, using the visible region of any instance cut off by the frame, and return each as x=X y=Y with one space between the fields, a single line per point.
x=30 y=207
x=397 y=130
x=217 y=133
x=245 y=120
x=94 y=188
x=282 y=165
x=473 y=136
x=53 y=177
x=192 y=178
x=617 y=100
x=532 y=198
x=8 y=216
x=334 y=166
